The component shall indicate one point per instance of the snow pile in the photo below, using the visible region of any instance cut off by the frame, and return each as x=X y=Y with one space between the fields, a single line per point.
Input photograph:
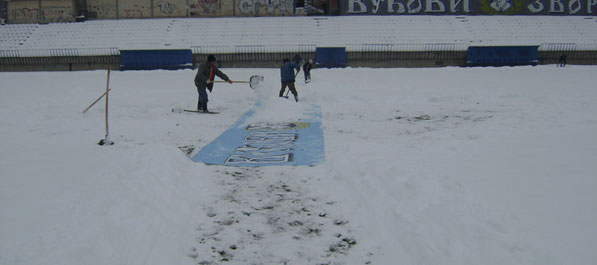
x=270 y=108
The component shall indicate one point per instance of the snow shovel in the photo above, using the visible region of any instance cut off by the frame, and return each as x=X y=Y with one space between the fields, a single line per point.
x=253 y=81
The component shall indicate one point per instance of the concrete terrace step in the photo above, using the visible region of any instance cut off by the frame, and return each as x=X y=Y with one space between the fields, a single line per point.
x=321 y=31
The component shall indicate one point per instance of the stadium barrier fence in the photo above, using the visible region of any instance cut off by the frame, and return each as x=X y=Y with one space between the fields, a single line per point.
x=357 y=55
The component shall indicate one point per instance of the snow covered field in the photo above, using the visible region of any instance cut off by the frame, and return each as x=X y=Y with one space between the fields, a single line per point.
x=422 y=166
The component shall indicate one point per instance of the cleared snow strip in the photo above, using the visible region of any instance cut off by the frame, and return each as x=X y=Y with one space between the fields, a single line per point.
x=253 y=143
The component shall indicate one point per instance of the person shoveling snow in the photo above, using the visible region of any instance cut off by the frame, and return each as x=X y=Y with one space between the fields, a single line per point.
x=204 y=79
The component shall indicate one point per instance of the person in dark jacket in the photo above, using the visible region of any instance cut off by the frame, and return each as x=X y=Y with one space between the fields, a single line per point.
x=562 y=62
x=307 y=70
x=204 y=80
x=287 y=76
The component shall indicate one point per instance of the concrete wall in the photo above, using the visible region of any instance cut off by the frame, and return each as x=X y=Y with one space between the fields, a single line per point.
x=24 y=12
x=35 y=11
x=170 y=8
x=211 y=8
x=111 y=9
x=134 y=9
x=267 y=8
x=106 y=9
x=3 y=11
x=57 y=11
x=48 y=11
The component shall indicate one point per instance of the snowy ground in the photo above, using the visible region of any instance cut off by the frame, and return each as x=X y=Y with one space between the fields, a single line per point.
x=423 y=166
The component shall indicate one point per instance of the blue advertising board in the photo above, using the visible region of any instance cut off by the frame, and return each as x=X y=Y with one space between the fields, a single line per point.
x=155 y=59
x=502 y=55
x=330 y=56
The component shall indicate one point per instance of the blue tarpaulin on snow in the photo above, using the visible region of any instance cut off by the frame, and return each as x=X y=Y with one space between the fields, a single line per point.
x=267 y=144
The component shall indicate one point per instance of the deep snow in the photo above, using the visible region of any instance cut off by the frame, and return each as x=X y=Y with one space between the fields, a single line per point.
x=422 y=166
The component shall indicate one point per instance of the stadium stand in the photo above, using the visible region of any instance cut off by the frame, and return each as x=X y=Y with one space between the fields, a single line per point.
x=285 y=34
x=322 y=31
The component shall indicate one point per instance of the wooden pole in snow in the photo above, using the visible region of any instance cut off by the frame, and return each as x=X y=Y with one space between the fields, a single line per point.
x=107 y=140
x=107 y=96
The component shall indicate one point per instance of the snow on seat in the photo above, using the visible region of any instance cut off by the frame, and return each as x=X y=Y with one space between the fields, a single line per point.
x=321 y=31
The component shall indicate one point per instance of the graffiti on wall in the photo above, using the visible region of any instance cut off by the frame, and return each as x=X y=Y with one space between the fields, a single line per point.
x=57 y=11
x=469 y=7
x=169 y=8
x=212 y=8
x=23 y=14
x=102 y=8
x=56 y=15
x=134 y=8
x=166 y=7
x=36 y=11
x=23 y=11
x=205 y=7
x=132 y=12
x=266 y=7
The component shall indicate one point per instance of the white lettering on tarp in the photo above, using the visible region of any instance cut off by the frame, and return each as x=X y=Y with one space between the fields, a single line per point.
x=264 y=147
x=260 y=143
x=250 y=149
x=235 y=159
x=261 y=137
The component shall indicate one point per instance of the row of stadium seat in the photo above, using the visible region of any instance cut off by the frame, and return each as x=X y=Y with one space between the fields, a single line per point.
x=353 y=30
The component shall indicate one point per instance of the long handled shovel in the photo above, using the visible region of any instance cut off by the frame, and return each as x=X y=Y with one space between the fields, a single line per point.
x=253 y=82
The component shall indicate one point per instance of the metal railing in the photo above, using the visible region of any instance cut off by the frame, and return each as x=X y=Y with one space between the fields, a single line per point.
x=73 y=52
x=407 y=47
x=567 y=47
x=272 y=55
x=298 y=48
x=213 y=49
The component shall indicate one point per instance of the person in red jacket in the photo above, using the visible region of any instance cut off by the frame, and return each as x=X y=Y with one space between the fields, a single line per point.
x=204 y=80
